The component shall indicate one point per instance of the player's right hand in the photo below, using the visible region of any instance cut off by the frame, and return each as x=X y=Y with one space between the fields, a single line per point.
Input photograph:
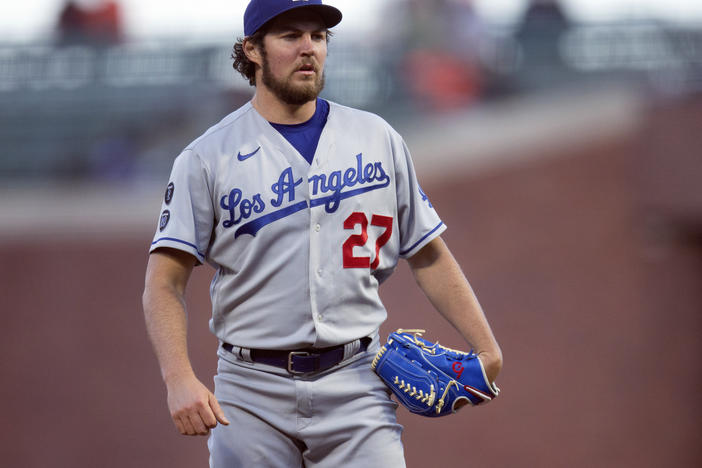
x=193 y=407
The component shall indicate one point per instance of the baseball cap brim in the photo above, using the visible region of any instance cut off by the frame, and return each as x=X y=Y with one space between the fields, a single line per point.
x=254 y=20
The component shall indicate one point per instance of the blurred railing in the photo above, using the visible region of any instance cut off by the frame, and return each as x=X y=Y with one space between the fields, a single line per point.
x=125 y=111
x=671 y=58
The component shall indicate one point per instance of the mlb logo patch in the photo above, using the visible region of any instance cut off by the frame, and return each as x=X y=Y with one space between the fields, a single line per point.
x=163 y=221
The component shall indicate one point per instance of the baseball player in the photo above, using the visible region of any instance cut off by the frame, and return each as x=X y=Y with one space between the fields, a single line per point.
x=303 y=207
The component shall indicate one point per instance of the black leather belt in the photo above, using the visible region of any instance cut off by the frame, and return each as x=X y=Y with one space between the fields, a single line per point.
x=302 y=361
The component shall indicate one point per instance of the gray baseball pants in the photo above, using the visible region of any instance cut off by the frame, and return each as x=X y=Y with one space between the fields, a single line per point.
x=342 y=417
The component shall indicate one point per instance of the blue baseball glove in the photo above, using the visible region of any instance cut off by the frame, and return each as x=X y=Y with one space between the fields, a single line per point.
x=430 y=379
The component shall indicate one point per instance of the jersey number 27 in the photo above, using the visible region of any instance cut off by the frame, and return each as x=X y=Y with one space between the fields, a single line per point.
x=358 y=240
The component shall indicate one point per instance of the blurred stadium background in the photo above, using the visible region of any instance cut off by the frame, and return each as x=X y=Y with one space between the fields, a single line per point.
x=560 y=141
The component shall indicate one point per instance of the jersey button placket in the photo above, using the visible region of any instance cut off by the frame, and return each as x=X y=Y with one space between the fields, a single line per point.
x=314 y=260
x=317 y=229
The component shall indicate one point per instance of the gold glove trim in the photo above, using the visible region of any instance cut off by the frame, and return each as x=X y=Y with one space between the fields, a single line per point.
x=430 y=349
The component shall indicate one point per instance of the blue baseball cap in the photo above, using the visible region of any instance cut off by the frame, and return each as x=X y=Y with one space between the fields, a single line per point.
x=259 y=12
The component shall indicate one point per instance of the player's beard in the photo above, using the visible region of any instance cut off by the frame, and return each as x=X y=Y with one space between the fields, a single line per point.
x=292 y=93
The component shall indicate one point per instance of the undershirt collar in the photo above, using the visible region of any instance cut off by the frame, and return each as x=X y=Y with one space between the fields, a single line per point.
x=305 y=136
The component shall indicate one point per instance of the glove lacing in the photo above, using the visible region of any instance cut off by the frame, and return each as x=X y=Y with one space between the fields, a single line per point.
x=427 y=398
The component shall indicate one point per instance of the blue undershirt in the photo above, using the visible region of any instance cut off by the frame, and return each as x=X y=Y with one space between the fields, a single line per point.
x=305 y=136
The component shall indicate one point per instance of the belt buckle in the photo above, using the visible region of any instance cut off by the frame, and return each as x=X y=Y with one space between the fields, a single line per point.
x=291 y=354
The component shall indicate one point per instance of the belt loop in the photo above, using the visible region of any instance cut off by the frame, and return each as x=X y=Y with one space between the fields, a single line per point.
x=242 y=353
x=350 y=349
x=245 y=354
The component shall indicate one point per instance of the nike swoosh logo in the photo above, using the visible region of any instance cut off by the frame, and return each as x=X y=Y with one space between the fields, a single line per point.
x=244 y=157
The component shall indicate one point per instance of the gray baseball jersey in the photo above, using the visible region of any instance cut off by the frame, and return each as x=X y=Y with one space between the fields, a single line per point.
x=299 y=249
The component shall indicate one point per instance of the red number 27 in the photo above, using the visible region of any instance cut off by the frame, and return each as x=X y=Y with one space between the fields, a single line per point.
x=359 y=240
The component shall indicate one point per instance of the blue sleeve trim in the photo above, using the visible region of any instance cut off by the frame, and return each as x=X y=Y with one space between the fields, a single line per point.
x=406 y=251
x=178 y=240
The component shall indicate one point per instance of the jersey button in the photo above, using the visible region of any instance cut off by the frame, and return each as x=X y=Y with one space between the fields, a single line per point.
x=317 y=227
x=319 y=272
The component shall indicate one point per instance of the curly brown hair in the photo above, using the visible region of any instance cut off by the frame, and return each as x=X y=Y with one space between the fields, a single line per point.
x=242 y=64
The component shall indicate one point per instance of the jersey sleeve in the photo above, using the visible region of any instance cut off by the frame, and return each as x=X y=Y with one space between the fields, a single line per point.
x=187 y=213
x=418 y=220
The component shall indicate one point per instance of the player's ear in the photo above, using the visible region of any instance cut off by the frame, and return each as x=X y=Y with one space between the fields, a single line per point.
x=252 y=51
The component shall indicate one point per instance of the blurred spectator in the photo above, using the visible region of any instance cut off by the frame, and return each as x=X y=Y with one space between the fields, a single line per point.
x=97 y=22
x=70 y=24
x=442 y=66
x=540 y=35
x=440 y=80
x=466 y=30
